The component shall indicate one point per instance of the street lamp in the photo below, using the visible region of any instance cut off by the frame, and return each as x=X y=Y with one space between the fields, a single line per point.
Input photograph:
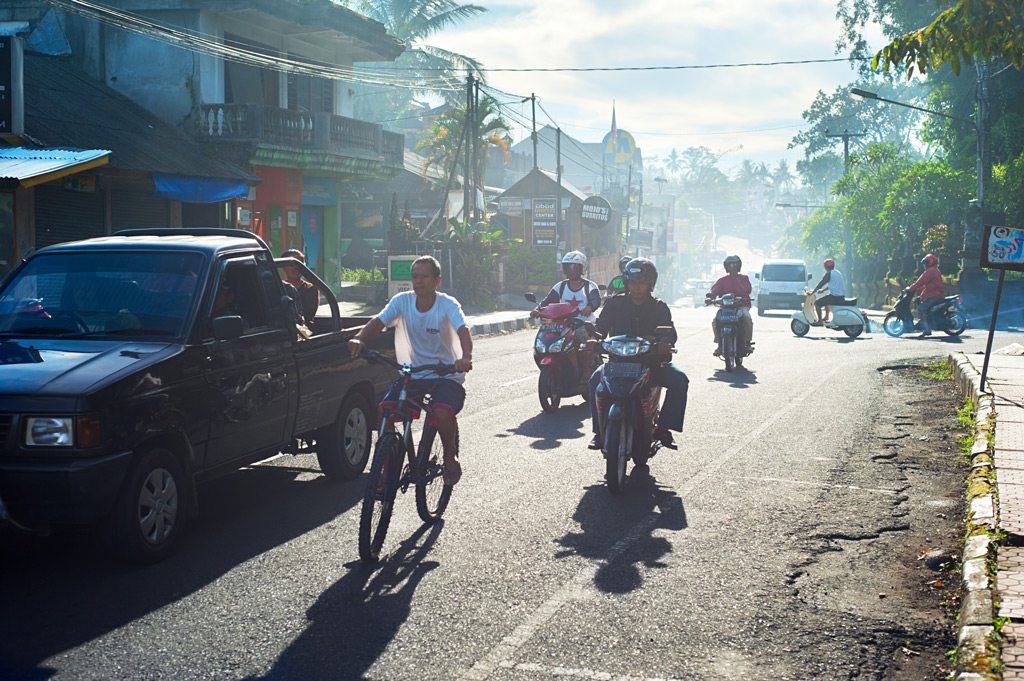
x=861 y=95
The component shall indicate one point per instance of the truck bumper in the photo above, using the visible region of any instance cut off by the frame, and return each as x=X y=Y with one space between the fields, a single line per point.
x=76 y=492
x=781 y=301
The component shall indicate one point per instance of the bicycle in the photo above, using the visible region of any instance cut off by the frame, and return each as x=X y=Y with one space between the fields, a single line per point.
x=388 y=475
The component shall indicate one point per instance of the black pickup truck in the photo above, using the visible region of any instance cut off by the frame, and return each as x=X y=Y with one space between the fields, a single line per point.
x=135 y=366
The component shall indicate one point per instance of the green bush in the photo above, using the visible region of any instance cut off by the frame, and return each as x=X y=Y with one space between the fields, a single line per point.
x=362 y=277
x=527 y=265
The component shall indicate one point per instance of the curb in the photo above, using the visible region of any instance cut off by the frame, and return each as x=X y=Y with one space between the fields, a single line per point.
x=976 y=644
x=492 y=328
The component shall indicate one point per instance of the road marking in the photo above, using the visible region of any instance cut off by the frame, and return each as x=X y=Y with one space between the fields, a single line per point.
x=575 y=672
x=819 y=484
x=520 y=380
x=502 y=654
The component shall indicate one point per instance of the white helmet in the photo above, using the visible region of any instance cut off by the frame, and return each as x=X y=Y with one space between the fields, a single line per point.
x=574 y=258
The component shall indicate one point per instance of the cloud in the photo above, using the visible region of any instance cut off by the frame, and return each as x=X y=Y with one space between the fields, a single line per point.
x=719 y=108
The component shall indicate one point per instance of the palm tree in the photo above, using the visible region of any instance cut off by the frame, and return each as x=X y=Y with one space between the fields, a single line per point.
x=414 y=21
x=783 y=177
x=674 y=163
x=442 y=142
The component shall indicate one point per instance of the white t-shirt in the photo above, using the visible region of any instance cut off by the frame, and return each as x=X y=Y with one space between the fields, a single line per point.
x=835 y=284
x=578 y=299
x=425 y=337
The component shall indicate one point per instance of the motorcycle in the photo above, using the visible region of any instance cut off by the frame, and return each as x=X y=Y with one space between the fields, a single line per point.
x=946 y=315
x=728 y=319
x=847 y=318
x=560 y=335
x=628 y=404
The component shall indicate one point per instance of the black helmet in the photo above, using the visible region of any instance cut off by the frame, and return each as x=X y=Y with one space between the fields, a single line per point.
x=732 y=260
x=623 y=261
x=641 y=269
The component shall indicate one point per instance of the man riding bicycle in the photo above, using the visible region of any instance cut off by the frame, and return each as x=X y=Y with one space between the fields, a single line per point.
x=429 y=329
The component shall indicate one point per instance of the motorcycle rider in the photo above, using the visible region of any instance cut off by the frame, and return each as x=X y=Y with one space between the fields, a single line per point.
x=739 y=285
x=581 y=293
x=833 y=281
x=932 y=290
x=617 y=285
x=639 y=313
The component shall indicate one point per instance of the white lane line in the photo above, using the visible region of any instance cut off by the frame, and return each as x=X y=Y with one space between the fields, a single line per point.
x=810 y=483
x=520 y=380
x=577 y=673
x=502 y=654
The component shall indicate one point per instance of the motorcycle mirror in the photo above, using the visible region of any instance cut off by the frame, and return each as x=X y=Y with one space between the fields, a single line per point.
x=529 y=296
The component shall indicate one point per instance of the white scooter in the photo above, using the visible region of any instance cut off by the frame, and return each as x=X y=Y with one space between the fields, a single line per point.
x=846 y=318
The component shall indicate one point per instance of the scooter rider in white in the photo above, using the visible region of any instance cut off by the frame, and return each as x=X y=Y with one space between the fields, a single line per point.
x=833 y=281
x=581 y=293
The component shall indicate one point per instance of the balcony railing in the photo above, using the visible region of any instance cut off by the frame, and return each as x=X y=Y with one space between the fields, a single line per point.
x=307 y=132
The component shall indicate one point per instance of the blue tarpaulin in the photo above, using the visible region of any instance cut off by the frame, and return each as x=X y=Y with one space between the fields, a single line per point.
x=197 y=190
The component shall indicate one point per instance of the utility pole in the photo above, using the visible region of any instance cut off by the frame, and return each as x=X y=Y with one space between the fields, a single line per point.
x=467 y=166
x=846 y=135
x=558 y=191
x=475 y=130
x=629 y=191
x=533 y=100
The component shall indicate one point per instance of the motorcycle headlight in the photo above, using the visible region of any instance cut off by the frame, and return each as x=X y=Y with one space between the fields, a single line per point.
x=539 y=345
x=557 y=345
x=49 y=431
x=630 y=348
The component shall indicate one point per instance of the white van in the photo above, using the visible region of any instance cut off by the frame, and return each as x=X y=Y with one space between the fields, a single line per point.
x=781 y=285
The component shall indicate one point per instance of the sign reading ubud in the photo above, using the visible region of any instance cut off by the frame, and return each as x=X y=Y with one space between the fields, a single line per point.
x=1002 y=248
x=596 y=212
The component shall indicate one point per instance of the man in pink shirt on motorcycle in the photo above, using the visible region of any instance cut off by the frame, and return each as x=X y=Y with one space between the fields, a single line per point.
x=932 y=290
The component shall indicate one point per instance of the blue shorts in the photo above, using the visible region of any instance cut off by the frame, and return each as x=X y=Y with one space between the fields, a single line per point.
x=444 y=394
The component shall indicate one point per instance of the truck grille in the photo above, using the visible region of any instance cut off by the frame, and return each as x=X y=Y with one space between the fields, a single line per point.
x=5 y=426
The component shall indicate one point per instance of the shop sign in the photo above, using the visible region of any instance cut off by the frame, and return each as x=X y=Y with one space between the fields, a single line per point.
x=544 y=221
x=319 y=191
x=511 y=205
x=597 y=212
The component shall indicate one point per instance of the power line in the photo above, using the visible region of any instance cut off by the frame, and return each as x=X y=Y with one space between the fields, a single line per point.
x=593 y=69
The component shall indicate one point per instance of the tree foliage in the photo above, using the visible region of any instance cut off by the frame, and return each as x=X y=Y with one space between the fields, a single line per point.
x=969 y=30
x=441 y=144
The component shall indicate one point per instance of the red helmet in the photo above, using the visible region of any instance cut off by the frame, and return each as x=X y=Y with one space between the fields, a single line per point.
x=830 y=263
x=929 y=260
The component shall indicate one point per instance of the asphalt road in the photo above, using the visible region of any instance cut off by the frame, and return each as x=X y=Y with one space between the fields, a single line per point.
x=694 y=572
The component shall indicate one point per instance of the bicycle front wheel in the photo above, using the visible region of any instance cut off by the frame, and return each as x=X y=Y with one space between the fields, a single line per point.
x=379 y=497
x=432 y=494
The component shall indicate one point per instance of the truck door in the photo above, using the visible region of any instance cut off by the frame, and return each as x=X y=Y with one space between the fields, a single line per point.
x=247 y=377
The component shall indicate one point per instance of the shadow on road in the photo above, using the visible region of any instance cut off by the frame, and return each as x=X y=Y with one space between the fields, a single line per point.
x=550 y=431
x=618 y=531
x=63 y=591
x=354 y=621
x=738 y=378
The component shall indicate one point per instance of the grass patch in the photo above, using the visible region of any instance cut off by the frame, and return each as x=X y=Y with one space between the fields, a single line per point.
x=939 y=371
x=966 y=424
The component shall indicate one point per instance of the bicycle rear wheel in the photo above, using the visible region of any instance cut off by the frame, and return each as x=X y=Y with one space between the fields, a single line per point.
x=432 y=494
x=379 y=497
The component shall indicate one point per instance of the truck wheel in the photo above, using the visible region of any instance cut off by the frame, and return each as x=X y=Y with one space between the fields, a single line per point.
x=343 y=448
x=149 y=514
x=760 y=308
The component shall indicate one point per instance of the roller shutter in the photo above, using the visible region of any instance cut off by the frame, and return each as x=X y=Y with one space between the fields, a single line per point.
x=135 y=210
x=67 y=216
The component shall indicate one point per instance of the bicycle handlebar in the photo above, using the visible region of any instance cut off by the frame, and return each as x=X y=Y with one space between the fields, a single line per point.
x=440 y=369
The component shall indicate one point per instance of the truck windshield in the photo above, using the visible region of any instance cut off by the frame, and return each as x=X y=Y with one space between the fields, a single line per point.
x=135 y=294
x=784 y=273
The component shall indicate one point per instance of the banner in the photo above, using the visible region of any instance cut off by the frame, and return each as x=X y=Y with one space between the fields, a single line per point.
x=544 y=221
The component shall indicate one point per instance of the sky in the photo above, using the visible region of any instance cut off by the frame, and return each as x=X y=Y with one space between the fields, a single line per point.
x=749 y=112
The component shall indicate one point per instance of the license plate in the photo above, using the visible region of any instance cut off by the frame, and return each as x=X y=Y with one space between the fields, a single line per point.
x=622 y=369
x=552 y=327
x=728 y=316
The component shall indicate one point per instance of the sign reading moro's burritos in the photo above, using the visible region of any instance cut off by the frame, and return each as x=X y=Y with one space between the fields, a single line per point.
x=597 y=212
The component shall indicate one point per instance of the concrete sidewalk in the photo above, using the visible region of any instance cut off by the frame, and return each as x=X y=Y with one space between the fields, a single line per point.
x=996 y=503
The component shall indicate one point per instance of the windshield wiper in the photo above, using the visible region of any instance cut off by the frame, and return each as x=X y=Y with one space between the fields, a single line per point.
x=37 y=330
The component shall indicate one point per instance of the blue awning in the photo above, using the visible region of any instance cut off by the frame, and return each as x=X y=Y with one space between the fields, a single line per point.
x=197 y=190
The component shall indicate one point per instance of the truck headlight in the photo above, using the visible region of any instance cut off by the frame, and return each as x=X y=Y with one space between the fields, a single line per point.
x=63 y=431
x=49 y=431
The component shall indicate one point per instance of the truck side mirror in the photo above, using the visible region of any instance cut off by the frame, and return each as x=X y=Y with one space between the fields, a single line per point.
x=226 y=328
x=757 y=275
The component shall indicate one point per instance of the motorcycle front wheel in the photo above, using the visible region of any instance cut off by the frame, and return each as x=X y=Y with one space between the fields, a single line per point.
x=615 y=439
x=546 y=390
x=729 y=351
x=893 y=325
x=799 y=328
x=954 y=323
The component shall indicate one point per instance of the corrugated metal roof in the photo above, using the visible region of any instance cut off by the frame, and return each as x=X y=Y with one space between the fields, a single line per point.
x=65 y=108
x=20 y=163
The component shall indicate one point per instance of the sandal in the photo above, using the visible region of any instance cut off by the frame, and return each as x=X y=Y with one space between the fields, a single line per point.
x=452 y=474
